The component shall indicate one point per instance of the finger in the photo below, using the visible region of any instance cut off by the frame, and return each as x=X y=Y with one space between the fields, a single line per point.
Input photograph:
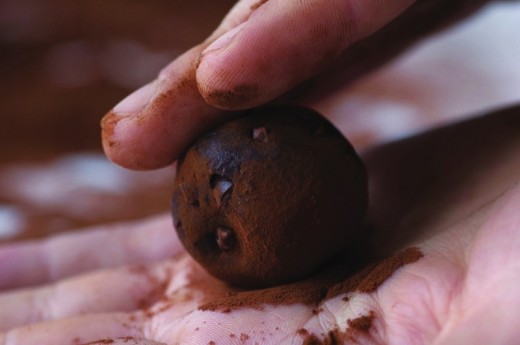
x=111 y=290
x=23 y=264
x=351 y=48
x=150 y=128
x=284 y=43
x=78 y=330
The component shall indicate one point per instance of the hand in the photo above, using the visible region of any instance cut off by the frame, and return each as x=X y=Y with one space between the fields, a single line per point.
x=453 y=192
x=261 y=51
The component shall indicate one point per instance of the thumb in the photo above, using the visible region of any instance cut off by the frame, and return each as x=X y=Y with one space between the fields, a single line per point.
x=152 y=126
x=283 y=43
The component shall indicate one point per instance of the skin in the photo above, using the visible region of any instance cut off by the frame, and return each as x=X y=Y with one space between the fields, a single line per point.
x=453 y=192
x=266 y=51
x=458 y=205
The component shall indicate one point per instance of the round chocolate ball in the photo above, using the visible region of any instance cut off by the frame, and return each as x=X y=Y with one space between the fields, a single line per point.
x=267 y=198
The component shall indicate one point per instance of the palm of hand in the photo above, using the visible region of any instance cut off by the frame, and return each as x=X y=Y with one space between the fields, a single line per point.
x=464 y=220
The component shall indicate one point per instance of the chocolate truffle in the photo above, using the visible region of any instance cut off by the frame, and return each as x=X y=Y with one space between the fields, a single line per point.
x=267 y=198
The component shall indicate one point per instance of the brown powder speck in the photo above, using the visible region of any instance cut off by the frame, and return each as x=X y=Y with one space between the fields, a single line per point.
x=211 y=343
x=362 y=324
x=311 y=339
x=316 y=311
x=243 y=337
x=325 y=285
x=240 y=94
x=232 y=335
x=108 y=125
x=334 y=337
x=303 y=332
x=101 y=341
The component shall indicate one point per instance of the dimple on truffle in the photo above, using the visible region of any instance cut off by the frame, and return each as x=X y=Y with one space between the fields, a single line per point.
x=269 y=197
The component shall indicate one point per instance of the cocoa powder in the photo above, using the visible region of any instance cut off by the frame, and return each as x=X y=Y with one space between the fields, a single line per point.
x=361 y=324
x=240 y=94
x=357 y=328
x=332 y=338
x=324 y=285
x=268 y=198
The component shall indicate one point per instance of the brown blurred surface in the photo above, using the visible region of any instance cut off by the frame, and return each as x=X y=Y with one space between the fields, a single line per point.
x=63 y=64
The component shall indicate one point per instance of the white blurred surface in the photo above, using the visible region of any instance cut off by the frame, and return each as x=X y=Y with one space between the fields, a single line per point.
x=467 y=70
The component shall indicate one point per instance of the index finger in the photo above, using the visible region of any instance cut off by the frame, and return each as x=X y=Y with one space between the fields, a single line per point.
x=151 y=127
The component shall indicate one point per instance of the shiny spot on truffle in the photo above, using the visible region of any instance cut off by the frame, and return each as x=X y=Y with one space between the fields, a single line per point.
x=221 y=189
x=260 y=134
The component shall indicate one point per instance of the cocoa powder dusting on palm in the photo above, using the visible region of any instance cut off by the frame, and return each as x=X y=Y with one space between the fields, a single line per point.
x=356 y=329
x=361 y=324
x=311 y=291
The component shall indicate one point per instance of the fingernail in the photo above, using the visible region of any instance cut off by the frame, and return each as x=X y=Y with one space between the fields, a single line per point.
x=136 y=101
x=224 y=40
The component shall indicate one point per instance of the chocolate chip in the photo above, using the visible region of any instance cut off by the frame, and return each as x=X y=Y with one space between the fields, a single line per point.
x=260 y=134
x=225 y=238
x=221 y=189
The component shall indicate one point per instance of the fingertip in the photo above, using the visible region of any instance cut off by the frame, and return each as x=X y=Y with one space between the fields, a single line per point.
x=123 y=145
x=278 y=47
x=230 y=84
x=123 y=131
x=108 y=141
x=282 y=44
x=157 y=135
x=108 y=124
x=231 y=97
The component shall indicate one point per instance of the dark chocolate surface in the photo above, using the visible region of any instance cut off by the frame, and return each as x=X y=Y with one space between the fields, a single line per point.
x=268 y=197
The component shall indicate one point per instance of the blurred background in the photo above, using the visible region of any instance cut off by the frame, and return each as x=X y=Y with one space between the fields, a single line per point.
x=63 y=64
